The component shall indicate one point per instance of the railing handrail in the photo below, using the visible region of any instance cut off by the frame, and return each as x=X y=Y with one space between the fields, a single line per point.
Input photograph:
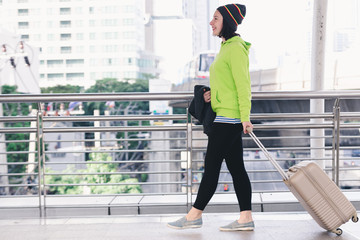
x=114 y=118
x=297 y=95
x=146 y=96
x=94 y=97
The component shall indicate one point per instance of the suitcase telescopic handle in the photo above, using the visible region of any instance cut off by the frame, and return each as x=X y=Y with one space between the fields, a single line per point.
x=267 y=154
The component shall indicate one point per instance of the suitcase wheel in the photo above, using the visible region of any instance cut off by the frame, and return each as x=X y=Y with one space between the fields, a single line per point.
x=355 y=219
x=338 y=231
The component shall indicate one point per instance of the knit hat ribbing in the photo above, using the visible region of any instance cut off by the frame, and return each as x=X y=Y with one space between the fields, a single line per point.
x=233 y=14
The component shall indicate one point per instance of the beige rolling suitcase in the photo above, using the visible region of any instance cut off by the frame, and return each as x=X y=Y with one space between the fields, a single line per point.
x=316 y=192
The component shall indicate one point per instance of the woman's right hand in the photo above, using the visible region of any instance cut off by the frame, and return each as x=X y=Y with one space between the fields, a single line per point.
x=207 y=96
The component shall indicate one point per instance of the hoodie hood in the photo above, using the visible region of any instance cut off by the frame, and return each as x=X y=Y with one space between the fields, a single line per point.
x=239 y=40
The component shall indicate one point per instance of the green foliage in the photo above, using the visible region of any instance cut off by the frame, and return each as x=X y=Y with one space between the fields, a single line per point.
x=100 y=178
x=112 y=85
x=179 y=110
x=17 y=157
x=109 y=85
x=144 y=177
x=14 y=109
x=62 y=89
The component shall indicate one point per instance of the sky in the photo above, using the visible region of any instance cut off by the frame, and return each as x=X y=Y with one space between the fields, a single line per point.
x=274 y=27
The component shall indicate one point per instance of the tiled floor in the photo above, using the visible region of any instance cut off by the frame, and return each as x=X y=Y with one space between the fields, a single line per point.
x=269 y=226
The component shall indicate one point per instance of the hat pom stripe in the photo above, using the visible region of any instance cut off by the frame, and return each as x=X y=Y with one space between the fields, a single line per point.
x=238 y=10
x=232 y=15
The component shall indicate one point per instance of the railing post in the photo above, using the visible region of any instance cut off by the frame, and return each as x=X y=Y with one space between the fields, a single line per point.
x=189 y=148
x=4 y=180
x=317 y=141
x=43 y=158
x=38 y=139
x=336 y=142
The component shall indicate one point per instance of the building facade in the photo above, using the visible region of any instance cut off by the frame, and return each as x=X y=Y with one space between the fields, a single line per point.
x=81 y=41
x=201 y=13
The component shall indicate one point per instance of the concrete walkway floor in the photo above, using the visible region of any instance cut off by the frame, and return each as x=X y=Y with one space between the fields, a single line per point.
x=269 y=226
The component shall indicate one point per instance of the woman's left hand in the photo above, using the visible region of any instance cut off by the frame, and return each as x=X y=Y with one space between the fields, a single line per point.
x=246 y=125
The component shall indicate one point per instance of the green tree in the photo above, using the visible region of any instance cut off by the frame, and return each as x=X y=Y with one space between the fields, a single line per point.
x=101 y=178
x=107 y=85
x=15 y=109
x=112 y=85
x=62 y=89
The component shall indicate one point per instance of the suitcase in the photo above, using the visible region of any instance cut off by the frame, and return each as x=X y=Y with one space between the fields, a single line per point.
x=316 y=192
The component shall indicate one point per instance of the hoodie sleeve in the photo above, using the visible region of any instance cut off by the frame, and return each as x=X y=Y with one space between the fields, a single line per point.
x=239 y=62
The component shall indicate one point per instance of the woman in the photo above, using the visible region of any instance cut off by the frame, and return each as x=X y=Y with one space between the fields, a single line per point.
x=230 y=98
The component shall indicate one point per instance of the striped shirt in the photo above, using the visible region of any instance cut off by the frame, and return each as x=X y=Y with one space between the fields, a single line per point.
x=221 y=119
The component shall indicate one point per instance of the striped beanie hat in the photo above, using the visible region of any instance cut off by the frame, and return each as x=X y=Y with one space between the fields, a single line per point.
x=233 y=14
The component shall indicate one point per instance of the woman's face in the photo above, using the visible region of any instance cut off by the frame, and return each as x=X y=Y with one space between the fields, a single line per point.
x=216 y=23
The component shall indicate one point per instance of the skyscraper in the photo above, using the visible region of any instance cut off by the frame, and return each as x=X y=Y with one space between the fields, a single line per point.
x=201 y=12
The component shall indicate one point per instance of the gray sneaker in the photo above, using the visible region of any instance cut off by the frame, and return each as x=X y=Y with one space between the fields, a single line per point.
x=183 y=223
x=235 y=226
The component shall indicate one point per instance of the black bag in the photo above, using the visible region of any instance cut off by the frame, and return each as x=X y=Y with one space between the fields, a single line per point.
x=201 y=110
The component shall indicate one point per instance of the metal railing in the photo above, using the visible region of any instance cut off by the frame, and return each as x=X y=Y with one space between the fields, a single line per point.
x=119 y=156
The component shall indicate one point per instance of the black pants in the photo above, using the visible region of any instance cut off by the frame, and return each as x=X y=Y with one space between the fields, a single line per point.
x=225 y=142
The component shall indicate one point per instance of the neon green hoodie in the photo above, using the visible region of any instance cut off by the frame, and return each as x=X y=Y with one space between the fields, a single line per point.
x=230 y=80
